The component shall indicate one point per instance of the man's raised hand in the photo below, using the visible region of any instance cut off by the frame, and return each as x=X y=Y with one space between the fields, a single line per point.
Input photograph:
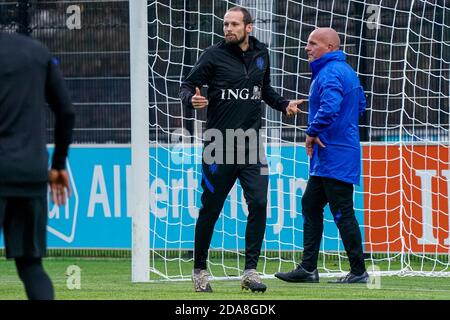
x=199 y=101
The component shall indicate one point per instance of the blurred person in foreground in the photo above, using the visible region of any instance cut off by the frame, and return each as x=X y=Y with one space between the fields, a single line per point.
x=30 y=81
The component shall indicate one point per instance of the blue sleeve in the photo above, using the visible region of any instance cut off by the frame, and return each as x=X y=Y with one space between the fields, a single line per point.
x=331 y=94
x=362 y=101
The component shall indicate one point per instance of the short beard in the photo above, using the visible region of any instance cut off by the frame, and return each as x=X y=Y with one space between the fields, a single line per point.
x=236 y=42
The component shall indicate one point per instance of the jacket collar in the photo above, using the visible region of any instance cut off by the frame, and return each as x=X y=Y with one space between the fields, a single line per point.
x=256 y=43
x=318 y=64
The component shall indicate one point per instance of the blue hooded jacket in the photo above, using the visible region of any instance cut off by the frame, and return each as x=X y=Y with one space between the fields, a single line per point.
x=336 y=100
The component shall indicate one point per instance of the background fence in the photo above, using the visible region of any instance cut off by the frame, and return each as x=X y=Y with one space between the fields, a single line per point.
x=91 y=40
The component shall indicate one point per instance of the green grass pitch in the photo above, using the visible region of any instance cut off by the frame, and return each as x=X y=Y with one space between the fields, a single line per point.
x=110 y=279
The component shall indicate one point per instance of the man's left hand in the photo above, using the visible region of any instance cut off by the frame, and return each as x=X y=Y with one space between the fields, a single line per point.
x=291 y=109
x=309 y=144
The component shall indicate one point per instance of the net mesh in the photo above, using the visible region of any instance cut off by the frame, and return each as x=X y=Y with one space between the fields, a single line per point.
x=401 y=53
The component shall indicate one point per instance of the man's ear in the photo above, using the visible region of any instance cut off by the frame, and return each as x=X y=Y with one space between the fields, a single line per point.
x=249 y=27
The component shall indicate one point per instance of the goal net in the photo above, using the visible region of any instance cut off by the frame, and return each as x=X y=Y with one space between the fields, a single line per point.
x=401 y=52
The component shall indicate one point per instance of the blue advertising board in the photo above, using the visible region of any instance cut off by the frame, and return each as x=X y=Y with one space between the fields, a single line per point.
x=96 y=215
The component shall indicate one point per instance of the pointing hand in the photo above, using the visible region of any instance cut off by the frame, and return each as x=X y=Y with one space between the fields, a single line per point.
x=291 y=109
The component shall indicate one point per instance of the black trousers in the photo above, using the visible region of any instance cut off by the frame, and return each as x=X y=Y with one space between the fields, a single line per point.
x=24 y=221
x=217 y=181
x=320 y=191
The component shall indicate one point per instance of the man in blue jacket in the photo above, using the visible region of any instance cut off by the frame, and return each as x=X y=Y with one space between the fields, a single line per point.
x=336 y=100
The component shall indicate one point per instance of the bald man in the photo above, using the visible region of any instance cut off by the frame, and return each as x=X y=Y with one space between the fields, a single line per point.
x=336 y=100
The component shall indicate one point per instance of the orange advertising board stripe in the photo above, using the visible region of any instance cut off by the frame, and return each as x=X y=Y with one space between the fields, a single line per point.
x=406 y=198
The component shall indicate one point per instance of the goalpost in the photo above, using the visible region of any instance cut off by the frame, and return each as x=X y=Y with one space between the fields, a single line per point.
x=140 y=176
x=401 y=52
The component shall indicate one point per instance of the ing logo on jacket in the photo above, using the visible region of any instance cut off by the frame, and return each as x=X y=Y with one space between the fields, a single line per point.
x=241 y=94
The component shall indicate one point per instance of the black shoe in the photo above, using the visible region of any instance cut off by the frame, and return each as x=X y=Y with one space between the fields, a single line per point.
x=352 y=278
x=298 y=275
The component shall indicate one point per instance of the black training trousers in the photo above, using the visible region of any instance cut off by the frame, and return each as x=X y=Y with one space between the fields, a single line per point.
x=217 y=181
x=320 y=191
